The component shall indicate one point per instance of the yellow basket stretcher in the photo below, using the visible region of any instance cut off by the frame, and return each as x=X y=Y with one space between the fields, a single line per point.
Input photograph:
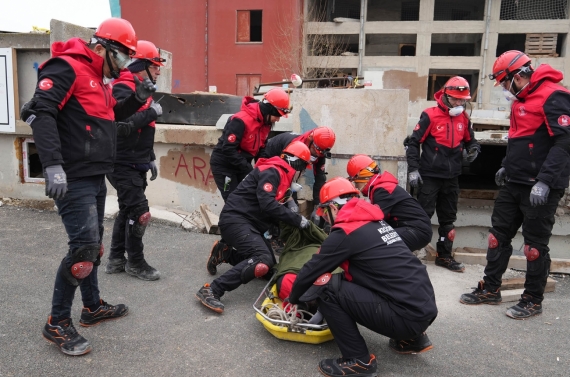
x=284 y=329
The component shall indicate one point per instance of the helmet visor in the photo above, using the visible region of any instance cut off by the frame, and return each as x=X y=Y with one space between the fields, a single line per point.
x=121 y=59
x=322 y=152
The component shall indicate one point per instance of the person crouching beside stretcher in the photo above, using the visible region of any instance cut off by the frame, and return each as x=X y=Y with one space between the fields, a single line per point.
x=250 y=209
x=379 y=272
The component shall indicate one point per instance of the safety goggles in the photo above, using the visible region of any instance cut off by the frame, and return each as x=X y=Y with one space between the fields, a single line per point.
x=460 y=88
x=323 y=208
x=121 y=58
x=322 y=152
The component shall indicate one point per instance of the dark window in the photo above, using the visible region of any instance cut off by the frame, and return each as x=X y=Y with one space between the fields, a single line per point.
x=249 y=26
x=410 y=11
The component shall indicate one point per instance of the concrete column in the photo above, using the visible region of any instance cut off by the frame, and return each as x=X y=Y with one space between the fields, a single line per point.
x=487 y=84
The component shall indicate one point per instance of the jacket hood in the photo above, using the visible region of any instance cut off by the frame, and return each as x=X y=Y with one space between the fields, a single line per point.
x=377 y=180
x=544 y=72
x=438 y=96
x=78 y=49
x=358 y=210
x=251 y=106
x=126 y=76
x=264 y=163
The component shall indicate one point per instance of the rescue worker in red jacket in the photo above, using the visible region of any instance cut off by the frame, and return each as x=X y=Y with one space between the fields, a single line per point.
x=443 y=131
x=533 y=176
x=384 y=287
x=72 y=115
x=320 y=141
x=401 y=211
x=249 y=211
x=135 y=157
x=244 y=135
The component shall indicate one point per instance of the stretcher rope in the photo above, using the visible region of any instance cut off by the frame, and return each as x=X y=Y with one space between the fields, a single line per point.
x=288 y=313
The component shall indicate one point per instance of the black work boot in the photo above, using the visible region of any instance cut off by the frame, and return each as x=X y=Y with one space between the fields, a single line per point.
x=524 y=309
x=216 y=256
x=348 y=367
x=65 y=336
x=115 y=266
x=449 y=263
x=103 y=313
x=142 y=270
x=418 y=344
x=210 y=299
x=481 y=296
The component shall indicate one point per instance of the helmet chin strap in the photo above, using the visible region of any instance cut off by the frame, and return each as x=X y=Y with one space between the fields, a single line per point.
x=151 y=78
x=114 y=74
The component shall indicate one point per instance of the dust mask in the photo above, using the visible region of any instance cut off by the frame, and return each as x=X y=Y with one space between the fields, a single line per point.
x=295 y=187
x=107 y=80
x=313 y=158
x=455 y=111
x=508 y=95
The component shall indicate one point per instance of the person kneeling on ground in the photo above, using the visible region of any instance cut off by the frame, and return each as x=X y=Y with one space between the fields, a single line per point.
x=249 y=211
x=401 y=211
x=383 y=283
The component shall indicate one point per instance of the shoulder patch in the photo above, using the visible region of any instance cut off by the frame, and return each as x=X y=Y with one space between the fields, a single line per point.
x=268 y=187
x=232 y=138
x=459 y=126
x=564 y=120
x=417 y=127
x=45 y=84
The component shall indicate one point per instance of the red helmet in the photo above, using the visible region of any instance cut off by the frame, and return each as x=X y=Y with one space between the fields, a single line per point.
x=457 y=87
x=361 y=167
x=147 y=50
x=507 y=64
x=336 y=187
x=323 y=139
x=118 y=31
x=279 y=99
x=298 y=149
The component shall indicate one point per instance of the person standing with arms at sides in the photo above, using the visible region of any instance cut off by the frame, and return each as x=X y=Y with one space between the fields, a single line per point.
x=135 y=157
x=72 y=115
x=532 y=177
x=443 y=131
x=244 y=135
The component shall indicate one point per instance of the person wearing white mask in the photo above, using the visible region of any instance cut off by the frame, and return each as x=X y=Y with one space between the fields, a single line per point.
x=444 y=131
x=532 y=177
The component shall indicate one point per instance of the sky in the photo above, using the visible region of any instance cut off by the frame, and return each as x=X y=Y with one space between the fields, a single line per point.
x=22 y=15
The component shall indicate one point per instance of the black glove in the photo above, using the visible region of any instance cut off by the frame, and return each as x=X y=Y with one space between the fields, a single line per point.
x=27 y=113
x=143 y=89
x=290 y=203
x=56 y=182
x=471 y=155
x=539 y=194
x=500 y=176
x=124 y=129
x=153 y=171
x=314 y=217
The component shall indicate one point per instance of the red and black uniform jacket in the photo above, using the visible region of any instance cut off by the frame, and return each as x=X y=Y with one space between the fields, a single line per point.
x=400 y=209
x=258 y=198
x=373 y=256
x=443 y=138
x=244 y=135
x=539 y=133
x=275 y=147
x=137 y=148
x=75 y=112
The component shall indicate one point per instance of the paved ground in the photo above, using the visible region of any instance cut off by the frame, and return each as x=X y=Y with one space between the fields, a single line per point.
x=168 y=332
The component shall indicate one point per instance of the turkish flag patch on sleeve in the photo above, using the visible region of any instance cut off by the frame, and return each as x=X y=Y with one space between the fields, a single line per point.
x=564 y=120
x=45 y=84
x=268 y=187
x=232 y=138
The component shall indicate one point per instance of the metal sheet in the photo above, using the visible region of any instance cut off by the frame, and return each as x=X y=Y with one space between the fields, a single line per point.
x=201 y=109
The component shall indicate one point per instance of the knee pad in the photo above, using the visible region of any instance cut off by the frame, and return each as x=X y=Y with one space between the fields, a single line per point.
x=531 y=253
x=451 y=234
x=255 y=268
x=138 y=221
x=492 y=241
x=81 y=263
x=101 y=252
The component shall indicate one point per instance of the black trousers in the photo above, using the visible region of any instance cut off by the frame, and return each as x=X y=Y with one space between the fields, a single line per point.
x=220 y=180
x=353 y=304
x=130 y=185
x=441 y=195
x=512 y=209
x=249 y=248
